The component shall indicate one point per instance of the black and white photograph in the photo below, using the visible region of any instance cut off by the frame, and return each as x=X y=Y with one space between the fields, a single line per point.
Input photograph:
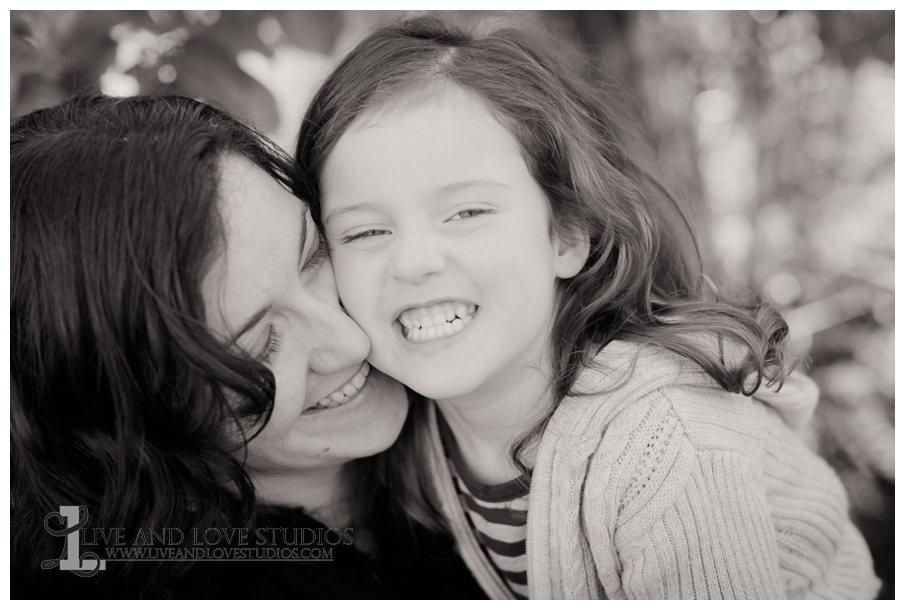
x=452 y=305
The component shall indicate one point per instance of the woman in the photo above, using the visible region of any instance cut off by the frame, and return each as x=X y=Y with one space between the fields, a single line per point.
x=180 y=362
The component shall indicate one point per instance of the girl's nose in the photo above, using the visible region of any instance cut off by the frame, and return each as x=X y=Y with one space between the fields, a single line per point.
x=336 y=340
x=417 y=257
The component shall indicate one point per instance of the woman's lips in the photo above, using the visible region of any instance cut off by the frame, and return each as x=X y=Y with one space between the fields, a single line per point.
x=444 y=319
x=346 y=393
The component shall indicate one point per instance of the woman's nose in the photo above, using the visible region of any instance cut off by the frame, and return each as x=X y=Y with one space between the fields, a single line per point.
x=337 y=341
x=418 y=255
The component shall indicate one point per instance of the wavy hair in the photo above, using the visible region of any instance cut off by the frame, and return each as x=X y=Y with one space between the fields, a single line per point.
x=120 y=395
x=643 y=280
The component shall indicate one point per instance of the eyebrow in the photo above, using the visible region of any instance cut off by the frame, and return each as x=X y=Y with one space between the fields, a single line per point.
x=349 y=208
x=446 y=189
x=459 y=186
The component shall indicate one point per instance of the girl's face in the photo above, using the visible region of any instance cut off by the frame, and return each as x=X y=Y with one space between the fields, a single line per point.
x=441 y=244
x=268 y=291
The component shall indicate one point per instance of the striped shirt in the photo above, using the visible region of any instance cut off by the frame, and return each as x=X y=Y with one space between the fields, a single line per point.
x=497 y=514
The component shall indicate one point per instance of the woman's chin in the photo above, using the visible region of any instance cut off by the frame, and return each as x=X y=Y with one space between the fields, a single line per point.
x=364 y=426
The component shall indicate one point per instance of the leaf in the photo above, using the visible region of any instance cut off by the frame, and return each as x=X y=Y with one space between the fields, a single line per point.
x=311 y=30
x=237 y=31
x=205 y=70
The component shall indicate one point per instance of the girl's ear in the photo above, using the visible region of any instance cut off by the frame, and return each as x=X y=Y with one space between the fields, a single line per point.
x=571 y=253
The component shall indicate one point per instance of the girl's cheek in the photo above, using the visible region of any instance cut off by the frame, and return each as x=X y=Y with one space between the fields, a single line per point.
x=343 y=265
x=352 y=288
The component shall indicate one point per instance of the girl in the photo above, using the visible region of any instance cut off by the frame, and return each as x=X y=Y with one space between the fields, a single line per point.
x=510 y=260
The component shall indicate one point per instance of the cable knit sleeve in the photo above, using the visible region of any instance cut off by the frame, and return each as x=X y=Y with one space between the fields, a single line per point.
x=692 y=520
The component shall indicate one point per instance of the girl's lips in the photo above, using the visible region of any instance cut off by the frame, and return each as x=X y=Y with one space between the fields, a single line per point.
x=428 y=309
x=344 y=394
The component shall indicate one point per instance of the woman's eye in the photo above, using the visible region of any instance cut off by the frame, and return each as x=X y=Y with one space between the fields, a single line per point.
x=470 y=213
x=269 y=349
x=318 y=253
x=363 y=235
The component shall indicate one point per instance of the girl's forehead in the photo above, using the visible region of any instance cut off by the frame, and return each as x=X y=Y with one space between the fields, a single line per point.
x=440 y=92
x=450 y=132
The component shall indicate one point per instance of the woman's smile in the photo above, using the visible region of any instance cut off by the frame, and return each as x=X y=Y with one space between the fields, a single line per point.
x=344 y=394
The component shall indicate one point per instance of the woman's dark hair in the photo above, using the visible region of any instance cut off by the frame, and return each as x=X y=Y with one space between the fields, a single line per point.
x=120 y=395
x=643 y=280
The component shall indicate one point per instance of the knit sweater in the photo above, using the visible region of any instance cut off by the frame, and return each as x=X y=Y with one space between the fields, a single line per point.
x=653 y=482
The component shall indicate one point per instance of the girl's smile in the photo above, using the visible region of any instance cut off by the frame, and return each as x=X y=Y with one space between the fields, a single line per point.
x=443 y=319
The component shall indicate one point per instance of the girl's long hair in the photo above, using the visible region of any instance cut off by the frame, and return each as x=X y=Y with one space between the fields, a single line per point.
x=120 y=395
x=643 y=280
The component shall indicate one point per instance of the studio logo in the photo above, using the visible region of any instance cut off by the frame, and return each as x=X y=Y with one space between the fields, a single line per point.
x=174 y=544
x=86 y=564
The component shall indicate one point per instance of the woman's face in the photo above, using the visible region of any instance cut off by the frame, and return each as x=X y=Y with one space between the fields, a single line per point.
x=272 y=292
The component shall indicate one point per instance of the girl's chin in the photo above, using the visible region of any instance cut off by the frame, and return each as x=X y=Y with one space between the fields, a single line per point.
x=443 y=390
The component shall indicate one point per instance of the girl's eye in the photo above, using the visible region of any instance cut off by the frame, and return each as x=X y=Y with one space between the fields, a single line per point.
x=363 y=235
x=470 y=213
x=269 y=349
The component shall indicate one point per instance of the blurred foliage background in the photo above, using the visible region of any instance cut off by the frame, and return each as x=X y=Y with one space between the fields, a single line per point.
x=778 y=125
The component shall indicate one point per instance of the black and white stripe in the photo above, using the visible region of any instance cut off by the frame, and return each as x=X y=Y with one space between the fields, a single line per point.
x=498 y=515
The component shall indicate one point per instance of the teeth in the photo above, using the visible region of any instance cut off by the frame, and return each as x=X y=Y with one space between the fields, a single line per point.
x=441 y=320
x=345 y=394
